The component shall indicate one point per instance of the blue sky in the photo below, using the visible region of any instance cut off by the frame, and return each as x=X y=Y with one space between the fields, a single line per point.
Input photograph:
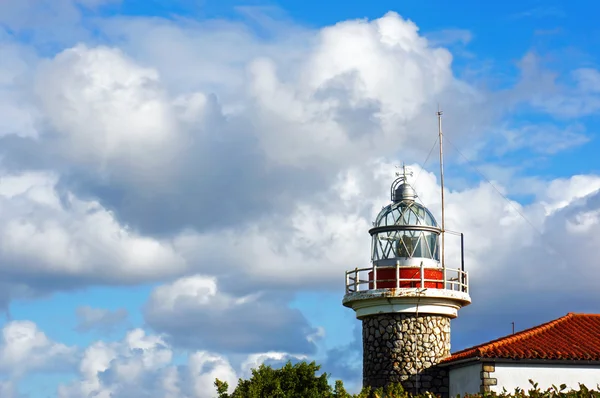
x=183 y=184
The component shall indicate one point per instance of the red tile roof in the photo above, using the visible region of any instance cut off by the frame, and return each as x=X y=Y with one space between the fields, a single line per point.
x=571 y=337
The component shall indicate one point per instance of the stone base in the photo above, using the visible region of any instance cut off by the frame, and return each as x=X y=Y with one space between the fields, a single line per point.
x=403 y=348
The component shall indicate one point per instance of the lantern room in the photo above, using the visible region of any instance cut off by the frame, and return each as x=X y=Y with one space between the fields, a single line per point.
x=405 y=231
x=405 y=235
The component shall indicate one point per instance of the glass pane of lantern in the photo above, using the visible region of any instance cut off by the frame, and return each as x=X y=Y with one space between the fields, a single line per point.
x=405 y=213
x=406 y=244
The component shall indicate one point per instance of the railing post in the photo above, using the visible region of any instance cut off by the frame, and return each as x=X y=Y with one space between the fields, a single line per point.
x=374 y=276
x=445 y=279
x=347 y=281
x=355 y=279
x=397 y=274
x=462 y=252
x=422 y=276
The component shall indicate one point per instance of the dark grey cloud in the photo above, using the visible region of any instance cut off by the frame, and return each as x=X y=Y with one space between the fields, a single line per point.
x=195 y=315
x=222 y=181
x=345 y=362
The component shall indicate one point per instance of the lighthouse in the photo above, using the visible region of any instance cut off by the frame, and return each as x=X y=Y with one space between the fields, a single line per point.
x=407 y=296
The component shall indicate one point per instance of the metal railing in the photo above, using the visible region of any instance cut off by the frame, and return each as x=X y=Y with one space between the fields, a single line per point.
x=450 y=279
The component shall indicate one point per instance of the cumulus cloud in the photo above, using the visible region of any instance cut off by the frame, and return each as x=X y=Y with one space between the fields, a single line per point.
x=140 y=362
x=165 y=157
x=52 y=240
x=157 y=161
x=164 y=160
x=144 y=365
x=108 y=111
x=24 y=348
x=225 y=323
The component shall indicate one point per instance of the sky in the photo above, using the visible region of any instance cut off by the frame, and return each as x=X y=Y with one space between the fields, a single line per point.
x=184 y=183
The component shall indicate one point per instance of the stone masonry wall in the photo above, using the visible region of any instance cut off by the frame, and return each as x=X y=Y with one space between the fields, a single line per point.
x=487 y=377
x=403 y=348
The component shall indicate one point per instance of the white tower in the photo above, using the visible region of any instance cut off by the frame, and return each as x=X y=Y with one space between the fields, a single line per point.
x=407 y=297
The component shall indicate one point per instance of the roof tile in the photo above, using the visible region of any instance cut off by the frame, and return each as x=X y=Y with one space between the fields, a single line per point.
x=571 y=337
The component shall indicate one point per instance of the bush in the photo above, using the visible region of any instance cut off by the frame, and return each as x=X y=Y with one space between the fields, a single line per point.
x=301 y=381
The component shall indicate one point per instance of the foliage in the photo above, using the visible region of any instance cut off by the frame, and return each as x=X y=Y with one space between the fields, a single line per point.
x=552 y=392
x=301 y=381
x=290 y=381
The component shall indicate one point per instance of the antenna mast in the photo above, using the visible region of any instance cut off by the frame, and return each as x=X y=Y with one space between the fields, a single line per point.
x=439 y=115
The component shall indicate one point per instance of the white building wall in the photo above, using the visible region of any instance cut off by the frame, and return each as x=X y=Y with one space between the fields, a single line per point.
x=465 y=379
x=511 y=376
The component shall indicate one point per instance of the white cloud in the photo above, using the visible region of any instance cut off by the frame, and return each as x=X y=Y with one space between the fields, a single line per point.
x=143 y=365
x=563 y=191
x=151 y=156
x=283 y=121
x=108 y=369
x=109 y=112
x=308 y=102
x=204 y=368
x=253 y=361
x=54 y=236
x=338 y=105
x=25 y=348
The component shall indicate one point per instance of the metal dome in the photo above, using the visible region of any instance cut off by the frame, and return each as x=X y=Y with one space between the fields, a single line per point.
x=404 y=192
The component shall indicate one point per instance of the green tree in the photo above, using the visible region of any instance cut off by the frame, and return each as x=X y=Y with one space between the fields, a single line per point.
x=291 y=381
x=339 y=391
